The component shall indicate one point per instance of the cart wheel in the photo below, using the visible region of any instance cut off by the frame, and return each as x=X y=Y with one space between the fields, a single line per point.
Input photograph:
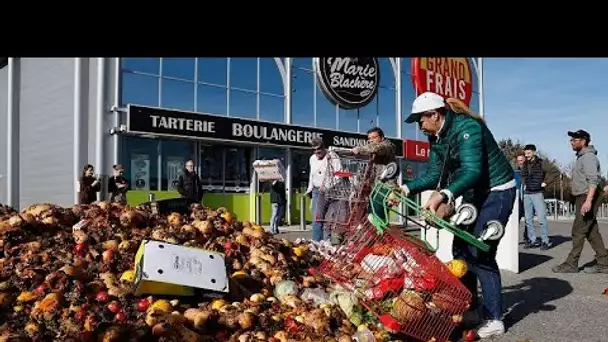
x=389 y=172
x=494 y=231
x=466 y=214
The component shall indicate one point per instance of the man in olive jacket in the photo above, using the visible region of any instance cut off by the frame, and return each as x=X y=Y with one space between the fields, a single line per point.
x=585 y=184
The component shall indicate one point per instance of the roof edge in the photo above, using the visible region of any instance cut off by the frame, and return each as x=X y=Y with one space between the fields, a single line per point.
x=3 y=62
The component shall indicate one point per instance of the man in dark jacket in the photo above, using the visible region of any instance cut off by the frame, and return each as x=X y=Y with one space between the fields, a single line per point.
x=278 y=199
x=189 y=185
x=533 y=175
x=585 y=184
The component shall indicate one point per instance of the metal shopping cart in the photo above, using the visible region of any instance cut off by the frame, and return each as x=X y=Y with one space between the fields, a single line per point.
x=400 y=281
x=344 y=197
x=464 y=215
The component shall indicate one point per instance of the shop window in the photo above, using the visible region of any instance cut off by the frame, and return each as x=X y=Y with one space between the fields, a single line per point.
x=325 y=111
x=139 y=89
x=238 y=169
x=387 y=114
x=271 y=81
x=302 y=96
x=243 y=104
x=140 y=158
x=175 y=153
x=177 y=95
x=368 y=115
x=212 y=166
x=300 y=168
x=244 y=73
x=211 y=99
x=182 y=68
x=387 y=73
x=145 y=65
x=212 y=70
x=408 y=131
x=272 y=108
x=349 y=119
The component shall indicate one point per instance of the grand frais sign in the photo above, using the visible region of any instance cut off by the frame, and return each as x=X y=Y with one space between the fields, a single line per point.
x=446 y=76
x=349 y=82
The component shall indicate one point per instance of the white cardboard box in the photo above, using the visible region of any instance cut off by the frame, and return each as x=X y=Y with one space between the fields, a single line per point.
x=166 y=269
x=269 y=170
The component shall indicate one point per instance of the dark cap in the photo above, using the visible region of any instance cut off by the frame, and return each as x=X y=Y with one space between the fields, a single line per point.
x=530 y=147
x=580 y=134
x=317 y=143
x=119 y=167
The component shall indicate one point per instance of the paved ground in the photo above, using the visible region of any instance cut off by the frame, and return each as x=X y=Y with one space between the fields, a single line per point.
x=546 y=307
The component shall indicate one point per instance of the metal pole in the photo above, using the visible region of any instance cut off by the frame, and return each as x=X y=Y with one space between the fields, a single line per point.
x=117 y=92
x=99 y=127
x=151 y=197
x=482 y=109
x=258 y=209
x=303 y=212
x=78 y=163
x=561 y=191
x=12 y=134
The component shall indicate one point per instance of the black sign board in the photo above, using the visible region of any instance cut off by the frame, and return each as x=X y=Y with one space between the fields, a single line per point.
x=349 y=82
x=146 y=120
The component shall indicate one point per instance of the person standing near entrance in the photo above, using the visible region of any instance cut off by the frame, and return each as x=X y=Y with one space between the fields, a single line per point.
x=278 y=198
x=533 y=175
x=189 y=184
x=585 y=184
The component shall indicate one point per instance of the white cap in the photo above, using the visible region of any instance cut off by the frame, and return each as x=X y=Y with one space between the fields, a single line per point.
x=427 y=101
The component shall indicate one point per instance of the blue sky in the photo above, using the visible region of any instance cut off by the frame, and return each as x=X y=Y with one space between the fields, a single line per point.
x=537 y=100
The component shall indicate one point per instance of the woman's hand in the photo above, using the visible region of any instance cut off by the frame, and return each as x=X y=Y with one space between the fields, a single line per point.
x=434 y=202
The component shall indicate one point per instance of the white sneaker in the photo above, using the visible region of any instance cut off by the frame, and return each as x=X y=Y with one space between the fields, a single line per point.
x=491 y=328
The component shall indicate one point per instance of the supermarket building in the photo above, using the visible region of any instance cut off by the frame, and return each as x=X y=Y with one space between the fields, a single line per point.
x=152 y=114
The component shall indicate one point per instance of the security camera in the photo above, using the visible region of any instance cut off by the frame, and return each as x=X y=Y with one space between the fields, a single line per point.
x=112 y=131
x=122 y=128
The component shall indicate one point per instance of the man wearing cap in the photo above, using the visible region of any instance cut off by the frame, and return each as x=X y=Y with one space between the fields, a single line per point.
x=533 y=175
x=465 y=160
x=585 y=183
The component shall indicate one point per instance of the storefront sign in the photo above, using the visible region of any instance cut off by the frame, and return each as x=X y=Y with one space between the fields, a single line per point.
x=147 y=120
x=416 y=150
x=349 y=82
x=448 y=77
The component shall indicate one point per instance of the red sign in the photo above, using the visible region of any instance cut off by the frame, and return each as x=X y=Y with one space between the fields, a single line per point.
x=446 y=76
x=416 y=150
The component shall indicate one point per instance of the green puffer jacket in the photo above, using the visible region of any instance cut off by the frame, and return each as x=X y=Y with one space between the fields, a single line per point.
x=475 y=163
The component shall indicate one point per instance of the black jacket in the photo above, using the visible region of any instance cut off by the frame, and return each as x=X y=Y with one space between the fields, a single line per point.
x=113 y=189
x=189 y=185
x=277 y=193
x=88 y=193
x=533 y=175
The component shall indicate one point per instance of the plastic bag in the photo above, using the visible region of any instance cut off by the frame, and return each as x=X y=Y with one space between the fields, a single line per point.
x=285 y=288
x=317 y=296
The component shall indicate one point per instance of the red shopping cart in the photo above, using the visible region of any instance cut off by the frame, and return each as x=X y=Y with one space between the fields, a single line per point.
x=398 y=279
x=344 y=196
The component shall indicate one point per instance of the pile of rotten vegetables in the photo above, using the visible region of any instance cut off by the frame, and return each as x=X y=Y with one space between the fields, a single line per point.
x=58 y=283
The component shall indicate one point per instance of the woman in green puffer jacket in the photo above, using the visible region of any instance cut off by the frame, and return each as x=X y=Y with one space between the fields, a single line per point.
x=465 y=160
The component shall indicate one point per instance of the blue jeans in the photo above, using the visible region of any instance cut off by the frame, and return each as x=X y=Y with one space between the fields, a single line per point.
x=535 y=203
x=497 y=205
x=319 y=209
x=278 y=211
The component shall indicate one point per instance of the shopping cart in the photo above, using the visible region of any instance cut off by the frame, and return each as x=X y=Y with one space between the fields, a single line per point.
x=465 y=214
x=344 y=198
x=400 y=281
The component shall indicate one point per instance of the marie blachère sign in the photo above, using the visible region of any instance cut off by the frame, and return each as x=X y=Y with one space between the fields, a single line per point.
x=164 y=122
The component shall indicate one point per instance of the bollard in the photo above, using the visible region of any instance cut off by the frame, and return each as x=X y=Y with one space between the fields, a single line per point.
x=151 y=197
x=555 y=208
x=303 y=212
x=258 y=209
